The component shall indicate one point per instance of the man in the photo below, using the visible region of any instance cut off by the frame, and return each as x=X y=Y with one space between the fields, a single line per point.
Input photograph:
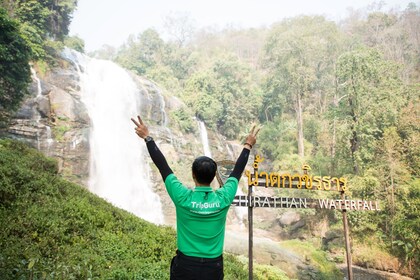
x=201 y=212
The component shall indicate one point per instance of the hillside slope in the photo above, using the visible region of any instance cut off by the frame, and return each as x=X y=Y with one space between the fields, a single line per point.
x=54 y=229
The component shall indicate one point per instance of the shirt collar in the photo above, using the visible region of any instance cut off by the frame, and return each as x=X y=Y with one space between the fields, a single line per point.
x=203 y=189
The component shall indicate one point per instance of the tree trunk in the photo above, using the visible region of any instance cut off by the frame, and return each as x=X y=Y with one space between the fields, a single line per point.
x=301 y=148
x=354 y=140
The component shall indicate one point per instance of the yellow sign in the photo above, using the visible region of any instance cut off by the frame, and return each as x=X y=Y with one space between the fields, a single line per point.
x=294 y=181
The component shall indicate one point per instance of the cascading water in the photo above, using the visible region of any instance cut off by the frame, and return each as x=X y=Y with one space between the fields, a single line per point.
x=119 y=170
x=38 y=83
x=37 y=115
x=204 y=138
x=240 y=212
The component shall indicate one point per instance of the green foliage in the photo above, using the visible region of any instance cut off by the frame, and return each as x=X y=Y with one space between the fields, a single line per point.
x=50 y=18
x=269 y=273
x=59 y=131
x=233 y=268
x=324 y=268
x=183 y=119
x=34 y=40
x=42 y=22
x=58 y=229
x=141 y=54
x=53 y=229
x=371 y=254
x=369 y=84
x=14 y=64
x=75 y=42
x=224 y=95
x=407 y=224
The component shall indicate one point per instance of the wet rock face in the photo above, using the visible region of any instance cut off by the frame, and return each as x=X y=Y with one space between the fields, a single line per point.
x=52 y=120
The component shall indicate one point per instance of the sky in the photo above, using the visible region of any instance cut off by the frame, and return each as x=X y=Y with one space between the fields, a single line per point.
x=100 y=22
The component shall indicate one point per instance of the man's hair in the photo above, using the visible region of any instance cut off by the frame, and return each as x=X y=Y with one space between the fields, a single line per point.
x=204 y=169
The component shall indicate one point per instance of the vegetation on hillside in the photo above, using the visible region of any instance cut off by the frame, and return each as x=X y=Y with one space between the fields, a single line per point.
x=54 y=229
x=14 y=58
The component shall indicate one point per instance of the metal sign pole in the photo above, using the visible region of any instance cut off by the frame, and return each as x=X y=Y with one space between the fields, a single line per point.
x=347 y=239
x=250 y=232
x=251 y=225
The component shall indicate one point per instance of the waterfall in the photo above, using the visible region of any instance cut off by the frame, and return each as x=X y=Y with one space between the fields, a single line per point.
x=240 y=212
x=119 y=170
x=204 y=138
x=38 y=83
x=37 y=116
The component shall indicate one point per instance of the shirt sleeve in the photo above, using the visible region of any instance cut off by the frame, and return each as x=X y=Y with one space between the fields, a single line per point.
x=176 y=190
x=228 y=191
x=159 y=159
x=240 y=164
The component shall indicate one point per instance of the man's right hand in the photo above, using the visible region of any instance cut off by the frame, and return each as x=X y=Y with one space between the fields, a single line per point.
x=251 y=139
x=141 y=130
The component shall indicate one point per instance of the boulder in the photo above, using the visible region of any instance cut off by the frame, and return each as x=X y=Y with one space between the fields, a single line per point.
x=288 y=218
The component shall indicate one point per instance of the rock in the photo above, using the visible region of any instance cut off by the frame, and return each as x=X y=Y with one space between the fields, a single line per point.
x=26 y=110
x=43 y=107
x=288 y=218
x=65 y=79
x=173 y=103
x=332 y=239
x=360 y=273
x=67 y=107
x=296 y=226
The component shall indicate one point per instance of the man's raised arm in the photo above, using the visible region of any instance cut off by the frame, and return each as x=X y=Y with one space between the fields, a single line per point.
x=158 y=158
x=243 y=157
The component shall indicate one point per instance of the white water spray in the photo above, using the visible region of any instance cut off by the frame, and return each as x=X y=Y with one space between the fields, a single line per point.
x=119 y=170
x=38 y=83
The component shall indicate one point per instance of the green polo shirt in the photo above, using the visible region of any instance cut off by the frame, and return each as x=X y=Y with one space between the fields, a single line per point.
x=201 y=216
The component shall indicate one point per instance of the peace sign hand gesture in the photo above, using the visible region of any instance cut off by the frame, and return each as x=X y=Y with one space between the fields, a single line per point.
x=141 y=129
x=251 y=139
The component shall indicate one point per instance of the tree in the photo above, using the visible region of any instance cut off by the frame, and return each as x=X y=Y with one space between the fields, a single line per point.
x=224 y=95
x=75 y=42
x=50 y=17
x=299 y=56
x=371 y=95
x=142 y=53
x=41 y=23
x=14 y=65
x=395 y=34
x=180 y=27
